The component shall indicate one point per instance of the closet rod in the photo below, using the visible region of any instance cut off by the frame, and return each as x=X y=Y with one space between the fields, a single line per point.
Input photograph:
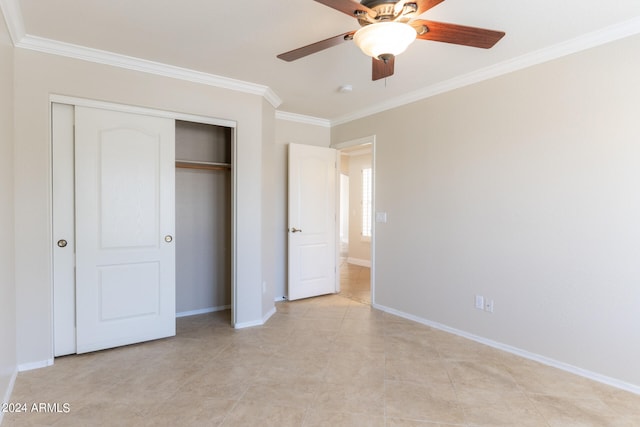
x=202 y=165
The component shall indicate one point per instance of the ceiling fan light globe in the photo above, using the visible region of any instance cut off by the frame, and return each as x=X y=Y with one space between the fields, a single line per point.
x=384 y=38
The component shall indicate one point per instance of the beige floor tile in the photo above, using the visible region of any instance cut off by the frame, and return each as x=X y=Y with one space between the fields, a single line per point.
x=292 y=308
x=414 y=367
x=31 y=419
x=344 y=370
x=573 y=412
x=458 y=348
x=422 y=402
x=510 y=411
x=397 y=422
x=535 y=378
x=318 y=324
x=307 y=342
x=355 y=398
x=326 y=312
x=621 y=402
x=294 y=394
x=252 y=355
x=358 y=343
x=363 y=311
x=479 y=383
x=103 y=413
x=355 y=283
x=326 y=361
x=189 y=410
x=364 y=326
x=411 y=343
x=316 y=418
x=307 y=367
x=256 y=414
x=281 y=321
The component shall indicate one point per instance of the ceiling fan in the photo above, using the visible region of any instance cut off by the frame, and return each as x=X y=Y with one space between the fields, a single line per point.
x=388 y=27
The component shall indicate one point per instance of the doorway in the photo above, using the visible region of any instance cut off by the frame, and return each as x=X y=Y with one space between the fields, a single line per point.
x=203 y=218
x=356 y=234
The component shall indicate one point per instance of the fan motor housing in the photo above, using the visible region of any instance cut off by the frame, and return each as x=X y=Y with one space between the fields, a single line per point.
x=373 y=3
x=385 y=11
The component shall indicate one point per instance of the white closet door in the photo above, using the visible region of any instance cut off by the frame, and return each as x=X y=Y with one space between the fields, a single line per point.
x=125 y=220
x=64 y=253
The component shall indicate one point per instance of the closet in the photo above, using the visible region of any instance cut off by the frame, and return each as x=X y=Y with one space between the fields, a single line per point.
x=142 y=223
x=203 y=218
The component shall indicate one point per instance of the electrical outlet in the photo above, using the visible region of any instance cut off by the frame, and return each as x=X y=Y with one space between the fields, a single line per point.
x=381 y=217
x=479 y=302
x=488 y=305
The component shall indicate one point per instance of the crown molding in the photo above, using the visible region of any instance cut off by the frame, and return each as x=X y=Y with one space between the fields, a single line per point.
x=13 y=17
x=578 y=44
x=15 y=24
x=69 y=50
x=299 y=118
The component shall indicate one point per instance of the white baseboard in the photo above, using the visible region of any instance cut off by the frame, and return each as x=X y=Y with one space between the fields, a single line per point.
x=203 y=311
x=279 y=299
x=35 y=365
x=360 y=262
x=267 y=316
x=243 y=325
x=633 y=388
x=253 y=323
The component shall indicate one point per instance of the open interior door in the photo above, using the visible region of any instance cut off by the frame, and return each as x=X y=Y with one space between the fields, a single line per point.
x=312 y=221
x=125 y=221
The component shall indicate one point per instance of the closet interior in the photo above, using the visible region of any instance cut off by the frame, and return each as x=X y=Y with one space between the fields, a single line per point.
x=203 y=218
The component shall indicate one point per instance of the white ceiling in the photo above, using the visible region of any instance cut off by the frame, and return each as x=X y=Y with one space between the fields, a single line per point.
x=240 y=40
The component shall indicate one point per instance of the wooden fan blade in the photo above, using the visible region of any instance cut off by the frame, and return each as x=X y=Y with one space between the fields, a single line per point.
x=458 y=34
x=381 y=69
x=424 y=5
x=301 y=52
x=350 y=7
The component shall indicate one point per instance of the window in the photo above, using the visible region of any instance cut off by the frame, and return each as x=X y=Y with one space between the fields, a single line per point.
x=366 y=203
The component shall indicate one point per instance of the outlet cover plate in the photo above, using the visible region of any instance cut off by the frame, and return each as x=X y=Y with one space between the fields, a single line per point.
x=479 y=302
x=488 y=305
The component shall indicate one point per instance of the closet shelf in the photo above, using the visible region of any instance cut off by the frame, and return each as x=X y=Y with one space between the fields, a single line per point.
x=189 y=164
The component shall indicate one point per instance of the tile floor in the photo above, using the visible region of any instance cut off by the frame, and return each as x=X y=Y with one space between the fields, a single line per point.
x=326 y=361
x=355 y=282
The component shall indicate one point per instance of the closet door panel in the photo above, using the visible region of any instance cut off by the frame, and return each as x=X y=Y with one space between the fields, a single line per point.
x=125 y=224
x=64 y=252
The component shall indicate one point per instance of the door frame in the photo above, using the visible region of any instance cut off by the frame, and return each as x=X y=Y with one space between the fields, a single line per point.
x=84 y=102
x=371 y=139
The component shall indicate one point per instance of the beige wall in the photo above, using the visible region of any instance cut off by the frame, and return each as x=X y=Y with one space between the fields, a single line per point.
x=524 y=189
x=37 y=76
x=7 y=280
x=286 y=132
x=268 y=188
